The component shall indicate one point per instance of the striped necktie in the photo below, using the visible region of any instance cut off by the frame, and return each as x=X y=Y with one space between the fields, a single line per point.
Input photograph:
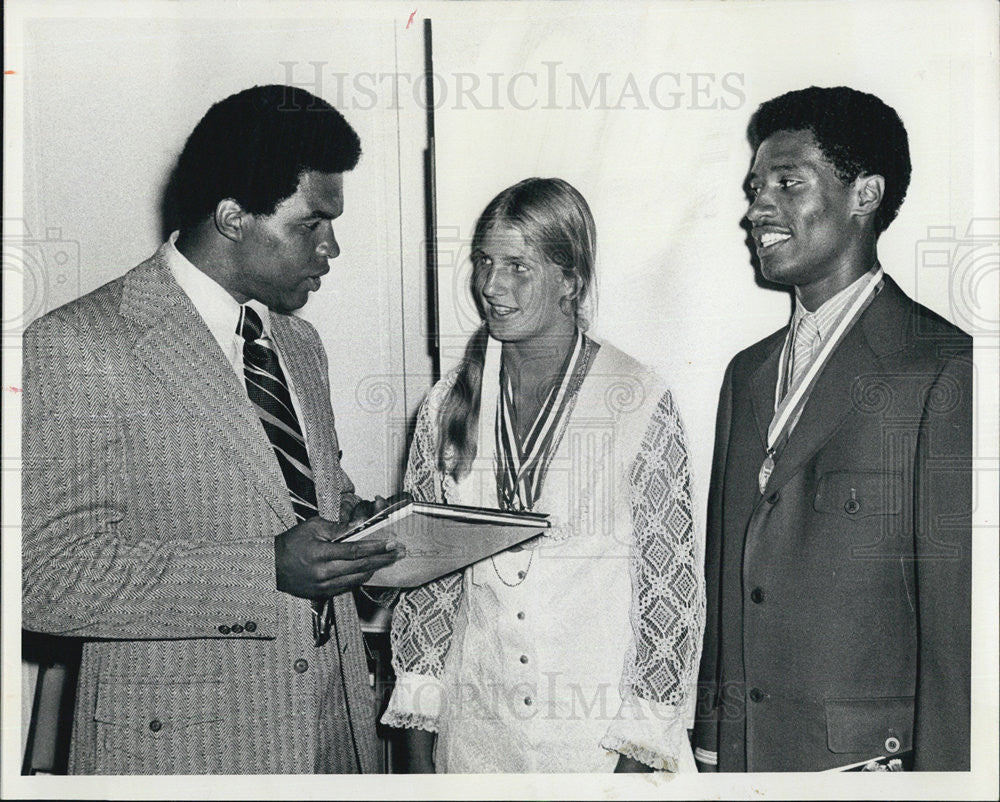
x=804 y=349
x=268 y=392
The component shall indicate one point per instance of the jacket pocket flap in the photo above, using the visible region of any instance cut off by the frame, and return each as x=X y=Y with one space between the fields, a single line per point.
x=872 y=726
x=858 y=494
x=157 y=709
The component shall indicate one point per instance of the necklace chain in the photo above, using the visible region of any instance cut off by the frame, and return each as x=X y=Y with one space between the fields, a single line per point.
x=522 y=575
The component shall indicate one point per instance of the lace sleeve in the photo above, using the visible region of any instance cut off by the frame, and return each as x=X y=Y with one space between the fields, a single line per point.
x=667 y=600
x=423 y=619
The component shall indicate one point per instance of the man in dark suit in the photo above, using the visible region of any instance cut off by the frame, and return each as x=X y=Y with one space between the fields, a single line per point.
x=181 y=475
x=839 y=535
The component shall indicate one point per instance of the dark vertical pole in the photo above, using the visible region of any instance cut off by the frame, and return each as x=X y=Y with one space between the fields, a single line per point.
x=430 y=204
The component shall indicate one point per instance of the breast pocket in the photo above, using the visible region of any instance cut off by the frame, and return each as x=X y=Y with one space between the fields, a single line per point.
x=166 y=728
x=855 y=495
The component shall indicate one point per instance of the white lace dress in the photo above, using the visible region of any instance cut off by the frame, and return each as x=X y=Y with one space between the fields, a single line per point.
x=584 y=645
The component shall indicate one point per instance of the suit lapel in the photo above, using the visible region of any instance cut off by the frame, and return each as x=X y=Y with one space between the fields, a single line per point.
x=180 y=352
x=762 y=384
x=831 y=400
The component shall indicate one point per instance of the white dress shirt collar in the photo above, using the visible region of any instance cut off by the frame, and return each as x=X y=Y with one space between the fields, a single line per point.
x=828 y=314
x=219 y=310
x=221 y=314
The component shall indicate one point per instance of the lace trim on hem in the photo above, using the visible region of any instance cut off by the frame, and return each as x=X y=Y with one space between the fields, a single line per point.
x=640 y=753
x=409 y=721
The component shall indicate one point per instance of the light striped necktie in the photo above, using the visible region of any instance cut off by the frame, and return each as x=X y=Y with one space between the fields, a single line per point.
x=268 y=391
x=804 y=348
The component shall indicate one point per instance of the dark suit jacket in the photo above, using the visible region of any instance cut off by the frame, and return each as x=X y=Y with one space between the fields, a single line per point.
x=151 y=498
x=839 y=600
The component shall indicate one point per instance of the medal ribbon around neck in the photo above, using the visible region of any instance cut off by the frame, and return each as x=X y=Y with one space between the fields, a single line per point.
x=521 y=466
x=791 y=405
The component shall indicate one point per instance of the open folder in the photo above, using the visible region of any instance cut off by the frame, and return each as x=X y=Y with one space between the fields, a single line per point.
x=442 y=538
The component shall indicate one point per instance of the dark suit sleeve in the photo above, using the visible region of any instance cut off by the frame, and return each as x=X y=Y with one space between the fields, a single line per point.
x=89 y=567
x=943 y=535
x=706 y=729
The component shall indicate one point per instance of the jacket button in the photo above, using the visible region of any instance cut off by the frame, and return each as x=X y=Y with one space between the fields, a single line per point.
x=301 y=666
x=892 y=744
x=756 y=695
x=156 y=725
x=237 y=629
x=852 y=506
x=224 y=629
x=524 y=658
x=528 y=700
x=251 y=626
x=757 y=595
x=773 y=498
x=520 y=616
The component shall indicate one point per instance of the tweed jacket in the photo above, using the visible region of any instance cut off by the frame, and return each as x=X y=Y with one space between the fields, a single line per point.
x=838 y=621
x=151 y=497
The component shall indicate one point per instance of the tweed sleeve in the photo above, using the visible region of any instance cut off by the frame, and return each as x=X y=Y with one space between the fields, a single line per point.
x=424 y=617
x=349 y=499
x=667 y=610
x=89 y=567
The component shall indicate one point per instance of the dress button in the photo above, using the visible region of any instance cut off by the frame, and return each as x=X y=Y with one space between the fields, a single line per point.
x=757 y=595
x=852 y=506
x=756 y=695
x=527 y=700
x=301 y=666
x=524 y=658
x=237 y=629
x=773 y=498
x=156 y=725
x=224 y=629
x=251 y=626
x=520 y=616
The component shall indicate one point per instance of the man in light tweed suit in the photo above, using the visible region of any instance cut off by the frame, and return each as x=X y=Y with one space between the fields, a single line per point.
x=182 y=478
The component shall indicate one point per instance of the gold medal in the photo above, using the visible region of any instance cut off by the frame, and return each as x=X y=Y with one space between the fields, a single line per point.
x=765 y=472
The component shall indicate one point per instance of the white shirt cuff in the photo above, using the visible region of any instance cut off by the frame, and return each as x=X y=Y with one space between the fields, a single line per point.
x=706 y=756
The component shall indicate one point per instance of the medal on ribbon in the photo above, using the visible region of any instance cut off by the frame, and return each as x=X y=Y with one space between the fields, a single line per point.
x=788 y=409
x=766 y=469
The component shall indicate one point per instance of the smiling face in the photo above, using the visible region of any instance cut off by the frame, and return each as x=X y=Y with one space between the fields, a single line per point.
x=518 y=289
x=802 y=215
x=282 y=255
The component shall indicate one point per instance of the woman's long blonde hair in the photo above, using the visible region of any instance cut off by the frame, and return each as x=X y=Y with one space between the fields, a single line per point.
x=554 y=218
